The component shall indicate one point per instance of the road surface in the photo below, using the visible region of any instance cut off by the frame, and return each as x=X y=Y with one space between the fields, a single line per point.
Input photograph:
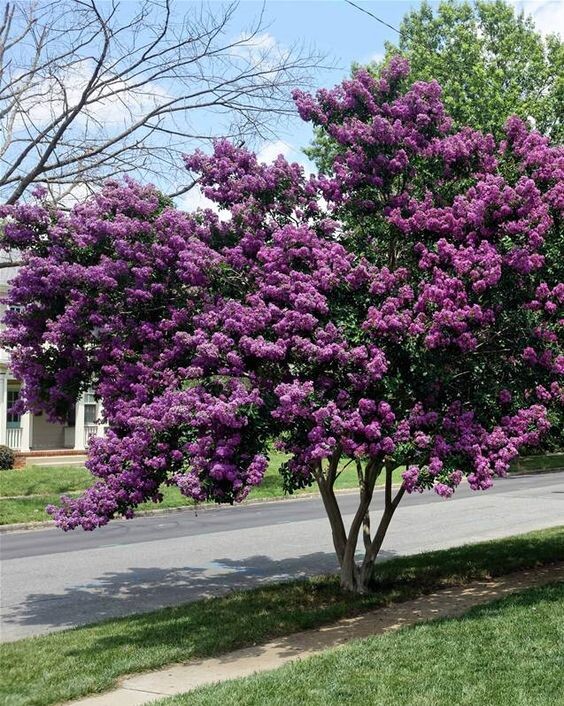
x=51 y=580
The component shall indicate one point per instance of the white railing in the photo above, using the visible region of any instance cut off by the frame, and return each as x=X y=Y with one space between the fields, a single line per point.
x=89 y=430
x=14 y=438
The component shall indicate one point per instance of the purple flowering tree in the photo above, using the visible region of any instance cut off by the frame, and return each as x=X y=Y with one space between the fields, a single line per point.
x=401 y=310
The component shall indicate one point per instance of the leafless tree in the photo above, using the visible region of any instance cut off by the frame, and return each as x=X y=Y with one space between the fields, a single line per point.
x=90 y=90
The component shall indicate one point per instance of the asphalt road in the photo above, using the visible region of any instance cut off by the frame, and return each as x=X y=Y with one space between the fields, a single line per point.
x=51 y=580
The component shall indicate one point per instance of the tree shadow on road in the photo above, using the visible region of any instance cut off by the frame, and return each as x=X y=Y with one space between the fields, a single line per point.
x=138 y=590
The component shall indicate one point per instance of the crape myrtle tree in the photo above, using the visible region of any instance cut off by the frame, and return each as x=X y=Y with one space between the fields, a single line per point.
x=400 y=310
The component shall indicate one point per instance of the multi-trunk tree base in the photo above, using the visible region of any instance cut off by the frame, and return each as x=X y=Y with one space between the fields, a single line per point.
x=357 y=576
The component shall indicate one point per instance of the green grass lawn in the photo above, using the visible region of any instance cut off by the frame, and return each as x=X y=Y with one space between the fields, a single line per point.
x=39 y=487
x=42 y=486
x=507 y=653
x=65 y=665
x=549 y=462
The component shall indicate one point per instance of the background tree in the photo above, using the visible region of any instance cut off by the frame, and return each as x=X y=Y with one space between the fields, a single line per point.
x=490 y=62
x=89 y=90
x=403 y=310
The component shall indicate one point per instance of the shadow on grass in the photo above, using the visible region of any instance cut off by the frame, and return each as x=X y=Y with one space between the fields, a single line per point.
x=444 y=604
x=64 y=665
x=472 y=561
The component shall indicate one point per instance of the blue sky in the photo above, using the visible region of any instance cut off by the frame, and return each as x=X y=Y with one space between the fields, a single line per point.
x=341 y=31
x=332 y=25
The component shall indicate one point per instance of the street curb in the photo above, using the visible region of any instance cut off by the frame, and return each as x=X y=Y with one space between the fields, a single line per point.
x=206 y=507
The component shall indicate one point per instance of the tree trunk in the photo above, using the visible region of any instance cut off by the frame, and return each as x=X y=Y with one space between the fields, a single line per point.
x=349 y=576
x=390 y=505
x=367 y=568
x=353 y=577
x=349 y=568
x=333 y=514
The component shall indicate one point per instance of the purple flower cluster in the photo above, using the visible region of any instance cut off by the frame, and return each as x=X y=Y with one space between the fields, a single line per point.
x=404 y=307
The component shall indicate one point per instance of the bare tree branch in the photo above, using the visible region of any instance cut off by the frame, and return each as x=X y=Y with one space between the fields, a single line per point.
x=91 y=89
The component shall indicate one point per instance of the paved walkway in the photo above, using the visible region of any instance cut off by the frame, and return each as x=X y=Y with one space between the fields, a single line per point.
x=453 y=602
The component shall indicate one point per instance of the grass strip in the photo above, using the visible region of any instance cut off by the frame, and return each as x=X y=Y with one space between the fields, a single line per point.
x=63 y=666
x=507 y=652
x=43 y=480
x=545 y=463
x=42 y=485
x=36 y=487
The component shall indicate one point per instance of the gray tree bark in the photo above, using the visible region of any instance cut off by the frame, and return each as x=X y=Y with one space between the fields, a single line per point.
x=354 y=575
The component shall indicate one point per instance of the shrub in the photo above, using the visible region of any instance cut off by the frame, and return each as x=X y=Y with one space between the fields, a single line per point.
x=7 y=458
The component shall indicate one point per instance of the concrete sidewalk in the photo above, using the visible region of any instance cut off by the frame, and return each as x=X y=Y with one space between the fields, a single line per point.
x=453 y=602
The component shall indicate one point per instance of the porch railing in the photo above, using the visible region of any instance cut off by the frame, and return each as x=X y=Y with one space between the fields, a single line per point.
x=14 y=438
x=89 y=430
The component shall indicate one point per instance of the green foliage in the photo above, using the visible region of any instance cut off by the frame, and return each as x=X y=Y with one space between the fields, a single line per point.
x=490 y=61
x=7 y=458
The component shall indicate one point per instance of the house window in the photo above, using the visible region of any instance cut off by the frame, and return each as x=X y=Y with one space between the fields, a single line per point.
x=13 y=421
x=90 y=408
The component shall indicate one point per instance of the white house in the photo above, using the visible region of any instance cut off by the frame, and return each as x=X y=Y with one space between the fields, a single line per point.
x=31 y=435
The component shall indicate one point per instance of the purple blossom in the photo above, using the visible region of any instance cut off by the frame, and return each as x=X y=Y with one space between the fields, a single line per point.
x=401 y=308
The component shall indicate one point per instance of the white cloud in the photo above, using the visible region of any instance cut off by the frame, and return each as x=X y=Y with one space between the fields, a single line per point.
x=260 y=49
x=69 y=195
x=121 y=108
x=374 y=58
x=270 y=151
x=548 y=15
x=194 y=199
x=258 y=43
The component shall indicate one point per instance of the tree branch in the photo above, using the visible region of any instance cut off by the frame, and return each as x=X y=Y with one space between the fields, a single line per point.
x=93 y=87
